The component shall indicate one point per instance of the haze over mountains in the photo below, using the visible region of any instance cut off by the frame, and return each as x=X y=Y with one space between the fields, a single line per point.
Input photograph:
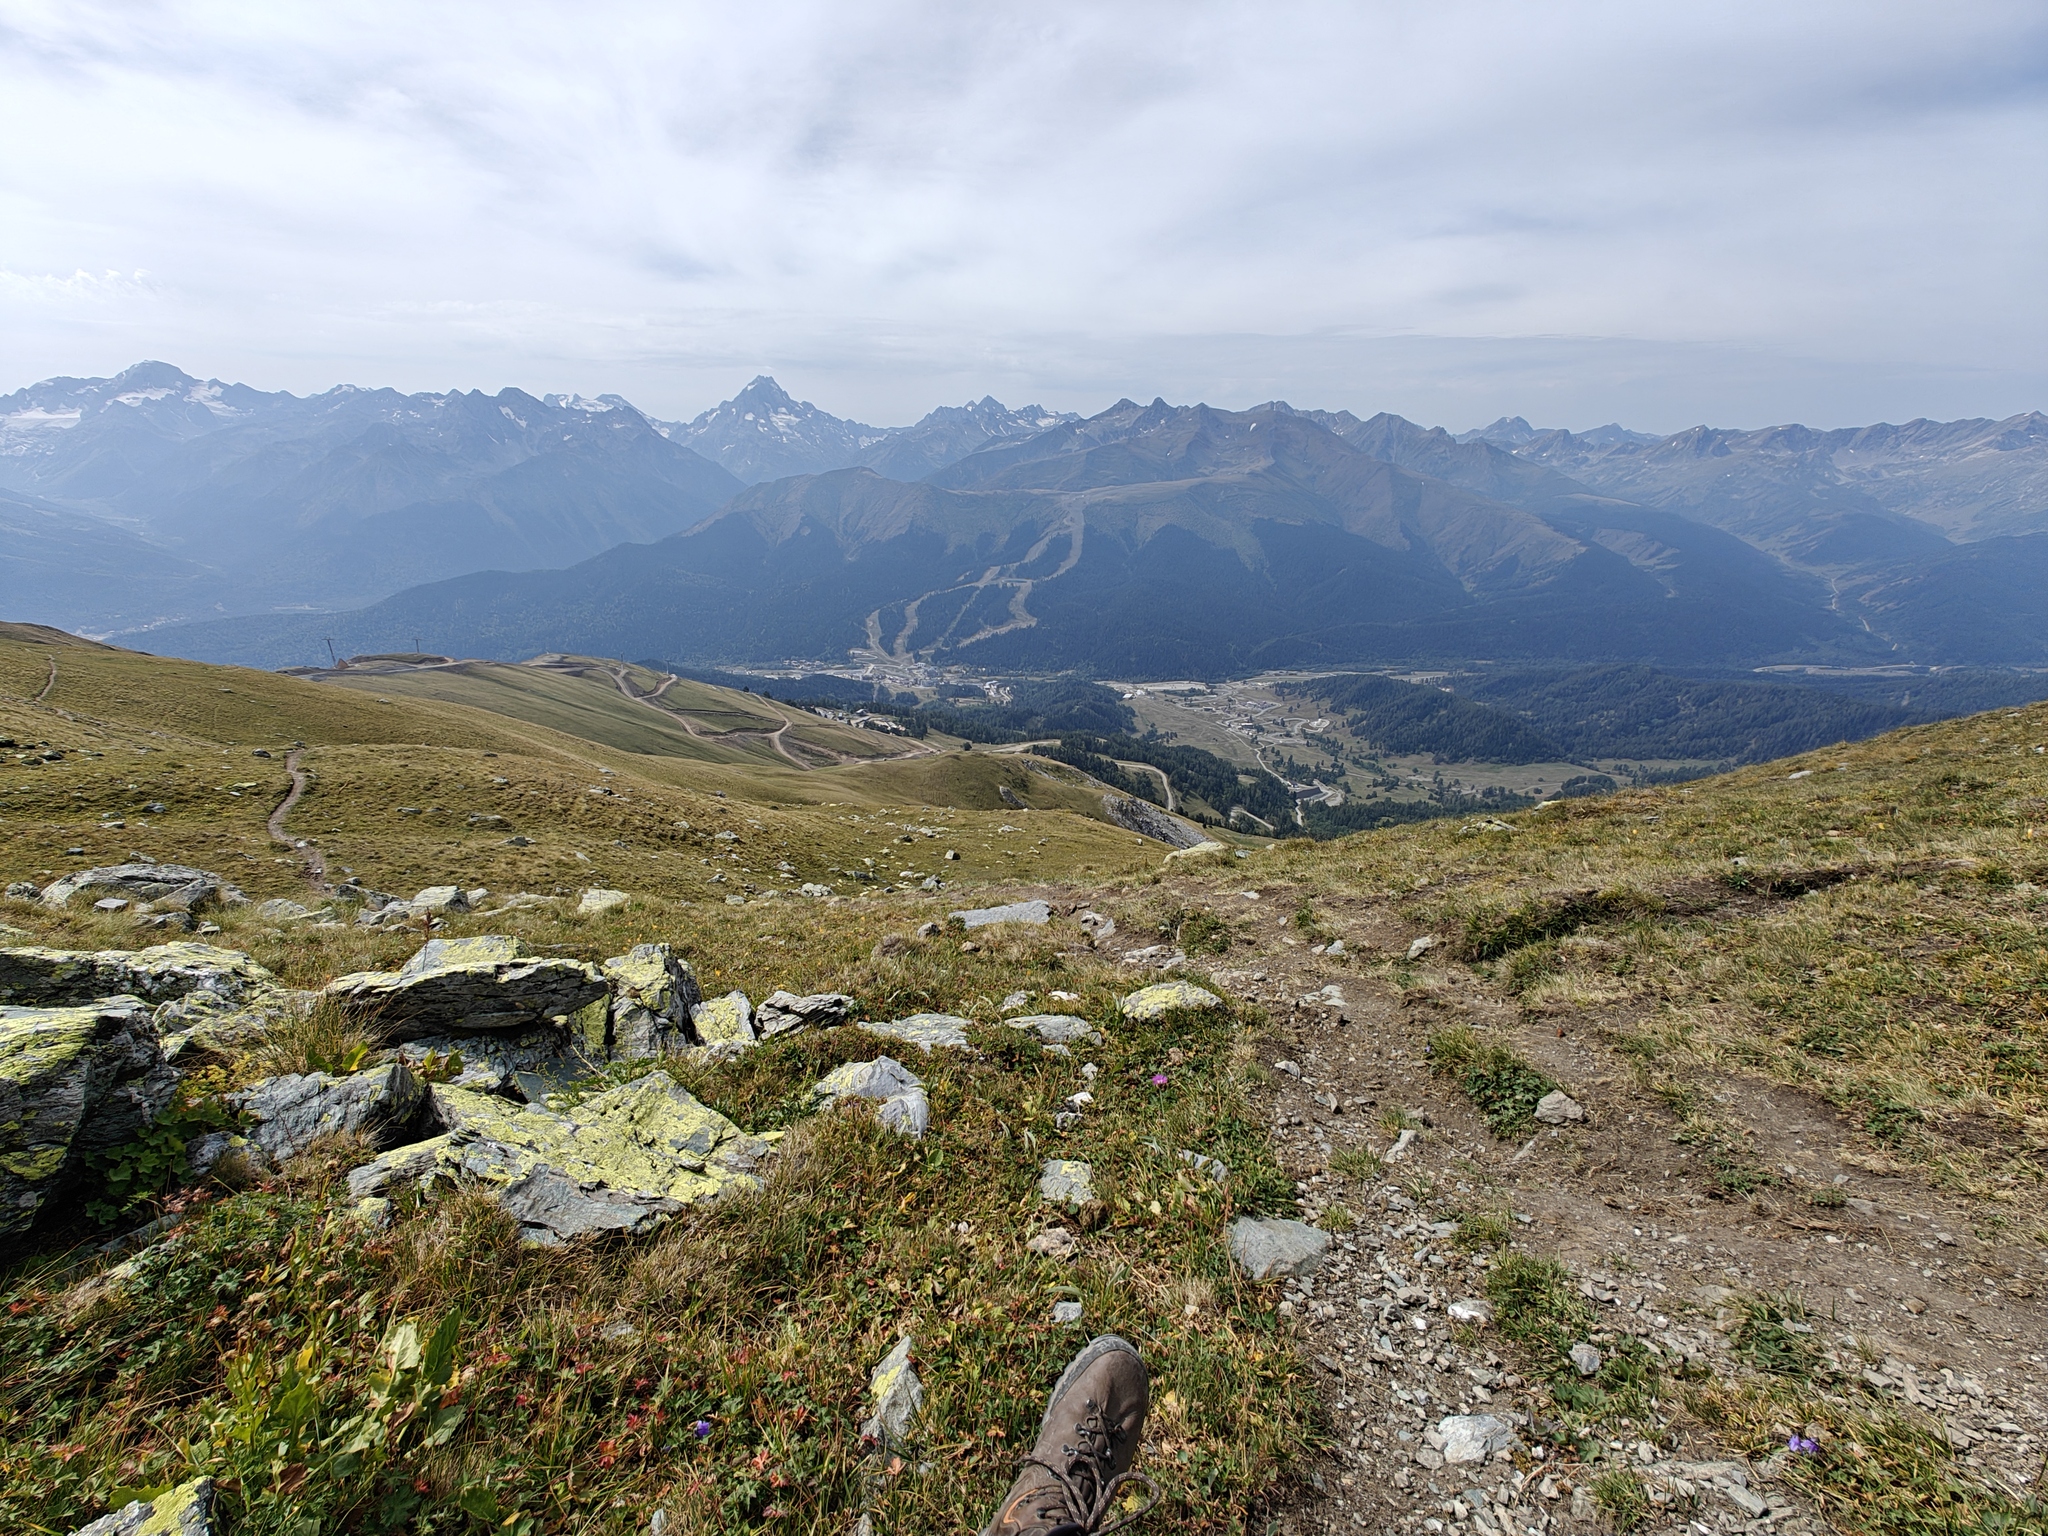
x=1145 y=540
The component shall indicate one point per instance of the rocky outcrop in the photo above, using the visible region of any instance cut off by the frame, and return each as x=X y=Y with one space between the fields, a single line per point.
x=1035 y=912
x=724 y=1024
x=653 y=991
x=166 y=887
x=623 y=1161
x=782 y=1013
x=897 y=1091
x=1149 y=821
x=468 y=986
x=527 y=1066
x=73 y=1081
x=35 y=975
x=288 y=1114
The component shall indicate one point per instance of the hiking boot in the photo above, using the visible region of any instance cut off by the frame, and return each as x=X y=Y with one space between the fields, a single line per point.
x=1086 y=1444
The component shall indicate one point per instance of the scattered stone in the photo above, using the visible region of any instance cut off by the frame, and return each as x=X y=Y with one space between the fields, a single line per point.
x=622 y=1161
x=898 y=1091
x=782 y=1013
x=24 y=890
x=1586 y=1360
x=1422 y=946
x=73 y=1081
x=653 y=993
x=440 y=898
x=1558 y=1108
x=1470 y=1437
x=288 y=1114
x=1015 y=912
x=1471 y=1310
x=1157 y=1001
x=724 y=1023
x=1054 y=1243
x=1335 y=949
x=1066 y=1312
x=162 y=885
x=110 y=904
x=1067 y=1183
x=1201 y=1162
x=1292 y=1069
x=926 y=1030
x=1400 y=1147
x=185 y=1510
x=1058 y=1028
x=598 y=899
x=896 y=1393
x=928 y=930
x=466 y=986
x=1096 y=926
x=278 y=910
x=1270 y=1247
x=1013 y=1002
x=812 y=889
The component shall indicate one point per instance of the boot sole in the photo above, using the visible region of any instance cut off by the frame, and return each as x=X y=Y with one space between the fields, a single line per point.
x=1106 y=1344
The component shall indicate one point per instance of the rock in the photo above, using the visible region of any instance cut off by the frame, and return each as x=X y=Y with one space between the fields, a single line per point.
x=814 y=890
x=288 y=1114
x=185 y=1510
x=279 y=910
x=1217 y=1170
x=34 y=975
x=1147 y=820
x=597 y=899
x=1401 y=1145
x=653 y=993
x=896 y=1393
x=24 y=890
x=1270 y=1247
x=926 y=931
x=217 y=1149
x=162 y=885
x=1335 y=949
x=1156 y=1002
x=1586 y=1360
x=1198 y=850
x=464 y=986
x=1054 y=1243
x=622 y=1161
x=1471 y=1310
x=1066 y=1183
x=899 y=1092
x=1066 y=1312
x=1558 y=1108
x=1058 y=1028
x=111 y=904
x=527 y=1066
x=781 y=1013
x=1469 y=1437
x=1291 y=1068
x=440 y=898
x=925 y=1030
x=1422 y=946
x=726 y=1022
x=73 y=1081
x=1015 y=912
x=1096 y=926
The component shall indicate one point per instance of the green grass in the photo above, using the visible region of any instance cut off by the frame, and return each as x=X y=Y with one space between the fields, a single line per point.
x=1501 y=1085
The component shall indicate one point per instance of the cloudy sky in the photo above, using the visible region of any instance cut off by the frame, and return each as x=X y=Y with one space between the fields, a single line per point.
x=1577 y=212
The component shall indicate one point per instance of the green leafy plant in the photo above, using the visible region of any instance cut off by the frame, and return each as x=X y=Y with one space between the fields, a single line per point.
x=1502 y=1086
x=153 y=1163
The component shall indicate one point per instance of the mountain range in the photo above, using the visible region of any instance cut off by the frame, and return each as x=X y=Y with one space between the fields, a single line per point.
x=1144 y=540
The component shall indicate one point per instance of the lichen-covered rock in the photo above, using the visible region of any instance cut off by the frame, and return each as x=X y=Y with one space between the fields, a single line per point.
x=166 y=886
x=184 y=1511
x=1058 y=1028
x=653 y=991
x=1065 y=1182
x=782 y=1013
x=37 y=976
x=1035 y=912
x=465 y=986
x=1156 y=1002
x=647 y=1147
x=73 y=1081
x=288 y=1114
x=1264 y=1249
x=896 y=1394
x=597 y=899
x=897 y=1091
x=726 y=1021
x=926 y=1030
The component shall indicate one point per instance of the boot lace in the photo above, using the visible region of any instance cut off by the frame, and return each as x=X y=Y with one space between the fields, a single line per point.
x=1087 y=1486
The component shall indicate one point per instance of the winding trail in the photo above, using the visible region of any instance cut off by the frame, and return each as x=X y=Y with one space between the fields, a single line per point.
x=49 y=685
x=316 y=861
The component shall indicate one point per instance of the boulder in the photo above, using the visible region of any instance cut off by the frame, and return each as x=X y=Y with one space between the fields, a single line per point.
x=925 y=1030
x=1065 y=1182
x=464 y=986
x=1470 y=1437
x=1058 y=1028
x=34 y=975
x=288 y=1114
x=783 y=1012
x=622 y=1161
x=185 y=1510
x=1015 y=912
x=898 y=1091
x=165 y=886
x=724 y=1023
x=1207 y=846
x=1264 y=1249
x=73 y=1081
x=1559 y=1108
x=280 y=910
x=597 y=899
x=1156 y=1002
x=440 y=898
x=653 y=991
x=527 y=1066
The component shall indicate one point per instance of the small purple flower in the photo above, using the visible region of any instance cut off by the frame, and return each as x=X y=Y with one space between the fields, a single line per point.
x=1158 y=1079
x=1803 y=1446
x=701 y=1428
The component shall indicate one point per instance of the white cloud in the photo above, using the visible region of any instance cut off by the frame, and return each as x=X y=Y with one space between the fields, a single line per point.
x=1580 y=211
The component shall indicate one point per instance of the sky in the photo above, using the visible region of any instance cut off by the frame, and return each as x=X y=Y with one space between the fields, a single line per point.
x=1659 y=214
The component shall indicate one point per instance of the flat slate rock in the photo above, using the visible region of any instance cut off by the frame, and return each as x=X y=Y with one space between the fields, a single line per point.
x=926 y=1030
x=288 y=1114
x=465 y=986
x=724 y=1021
x=1015 y=912
x=782 y=1012
x=35 y=975
x=1157 y=1001
x=1264 y=1249
x=1058 y=1028
x=894 y=1087
x=1065 y=1182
